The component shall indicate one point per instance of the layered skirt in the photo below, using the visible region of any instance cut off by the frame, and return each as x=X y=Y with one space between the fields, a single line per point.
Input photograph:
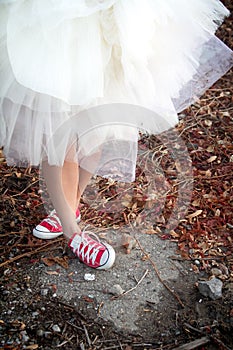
x=78 y=79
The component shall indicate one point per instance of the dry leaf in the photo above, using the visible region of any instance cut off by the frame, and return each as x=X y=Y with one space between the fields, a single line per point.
x=174 y=234
x=208 y=122
x=48 y=261
x=210 y=149
x=208 y=173
x=52 y=272
x=196 y=202
x=63 y=262
x=211 y=159
x=51 y=261
x=193 y=215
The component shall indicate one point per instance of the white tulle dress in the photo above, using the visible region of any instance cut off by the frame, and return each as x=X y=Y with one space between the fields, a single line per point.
x=80 y=77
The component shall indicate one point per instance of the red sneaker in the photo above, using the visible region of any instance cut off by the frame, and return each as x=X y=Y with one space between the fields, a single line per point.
x=51 y=227
x=91 y=252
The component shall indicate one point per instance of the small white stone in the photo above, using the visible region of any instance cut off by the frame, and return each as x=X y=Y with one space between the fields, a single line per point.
x=56 y=328
x=89 y=277
x=197 y=262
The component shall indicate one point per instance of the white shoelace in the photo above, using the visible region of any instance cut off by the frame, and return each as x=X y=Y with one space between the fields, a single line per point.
x=82 y=243
x=53 y=220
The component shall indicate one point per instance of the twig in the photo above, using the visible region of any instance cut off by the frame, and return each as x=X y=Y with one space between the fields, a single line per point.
x=131 y=289
x=192 y=328
x=194 y=344
x=65 y=342
x=158 y=274
x=219 y=342
x=72 y=308
x=73 y=325
x=27 y=254
x=86 y=334
x=26 y=188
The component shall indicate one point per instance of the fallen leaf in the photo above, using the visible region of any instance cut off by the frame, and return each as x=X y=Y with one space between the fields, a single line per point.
x=212 y=159
x=208 y=122
x=52 y=272
x=174 y=234
x=193 y=215
x=48 y=261
x=51 y=261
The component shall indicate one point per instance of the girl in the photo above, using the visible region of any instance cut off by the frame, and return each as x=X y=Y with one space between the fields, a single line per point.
x=70 y=69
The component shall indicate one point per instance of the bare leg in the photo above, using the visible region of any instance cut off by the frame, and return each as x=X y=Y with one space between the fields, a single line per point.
x=70 y=183
x=84 y=178
x=63 y=205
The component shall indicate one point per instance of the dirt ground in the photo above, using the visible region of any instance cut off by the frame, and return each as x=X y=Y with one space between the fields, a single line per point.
x=34 y=315
x=36 y=318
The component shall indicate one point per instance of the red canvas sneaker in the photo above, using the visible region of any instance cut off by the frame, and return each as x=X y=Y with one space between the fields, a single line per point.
x=50 y=227
x=92 y=253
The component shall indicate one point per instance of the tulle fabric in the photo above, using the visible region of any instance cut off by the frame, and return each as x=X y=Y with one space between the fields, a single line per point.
x=60 y=58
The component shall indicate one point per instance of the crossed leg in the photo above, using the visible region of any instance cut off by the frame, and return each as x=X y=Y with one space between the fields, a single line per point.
x=65 y=186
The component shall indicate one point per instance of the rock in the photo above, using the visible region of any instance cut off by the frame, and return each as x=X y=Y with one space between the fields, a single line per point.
x=56 y=328
x=128 y=242
x=197 y=262
x=25 y=337
x=211 y=288
x=89 y=277
x=40 y=332
x=216 y=272
x=47 y=335
x=44 y=292
x=116 y=290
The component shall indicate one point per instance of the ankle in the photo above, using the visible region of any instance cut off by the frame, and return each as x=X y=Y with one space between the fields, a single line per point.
x=69 y=232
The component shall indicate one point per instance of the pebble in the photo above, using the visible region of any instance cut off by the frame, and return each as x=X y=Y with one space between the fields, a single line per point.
x=47 y=334
x=25 y=337
x=40 y=332
x=56 y=328
x=89 y=277
x=44 y=292
x=216 y=272
x=211 y=288
x=5 y=292
x=35 y=314
x=116 y=289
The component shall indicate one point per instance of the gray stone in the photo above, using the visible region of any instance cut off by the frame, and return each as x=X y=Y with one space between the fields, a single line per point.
x=47 y=335
x=25 y=337
x=44 y=292
x=56 y=328
x=216 y=272
x=211 y=288
x=40 y=333
x=116 y=290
